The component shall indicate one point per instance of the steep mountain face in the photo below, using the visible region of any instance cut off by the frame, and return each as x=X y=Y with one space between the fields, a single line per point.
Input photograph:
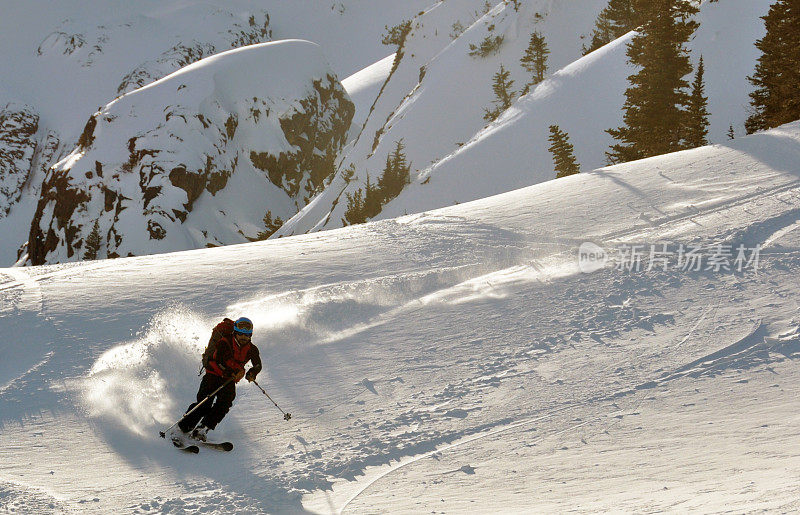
x=26 y=151
x=109 y=52
x=111 y=49
x=18 y=127
x=197 y=158
x=435 y=99
x=585 y=98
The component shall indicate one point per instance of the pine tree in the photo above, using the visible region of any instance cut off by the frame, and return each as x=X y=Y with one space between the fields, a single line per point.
x=349 y=173
x=354 y=214
x=697 y=128
x=372 y=200
x=396 y=36
x=396 y=174
x=776 y=99
x=93 y=242
x=617 y=19
x=504 y=95
x=656 y=114
x=563 y=153
x=535 y=59
x=270 y=226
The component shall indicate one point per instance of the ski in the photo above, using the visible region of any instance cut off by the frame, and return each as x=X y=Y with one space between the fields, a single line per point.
x=220 y=446
x=181 y=446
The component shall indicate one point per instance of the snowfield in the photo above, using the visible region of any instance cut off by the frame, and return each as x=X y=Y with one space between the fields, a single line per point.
x=455 y=360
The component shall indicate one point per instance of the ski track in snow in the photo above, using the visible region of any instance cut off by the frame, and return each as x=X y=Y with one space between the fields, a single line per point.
x=742 y=350
x=27 y=307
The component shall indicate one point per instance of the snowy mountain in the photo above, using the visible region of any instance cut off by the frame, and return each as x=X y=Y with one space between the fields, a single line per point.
x=454 y=360
x=430 y=94
x=434 y=102
x=625 y=339
x=111 y=48
x=198 y=158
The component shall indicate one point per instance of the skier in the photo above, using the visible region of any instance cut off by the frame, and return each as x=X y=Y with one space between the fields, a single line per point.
x=229 y=349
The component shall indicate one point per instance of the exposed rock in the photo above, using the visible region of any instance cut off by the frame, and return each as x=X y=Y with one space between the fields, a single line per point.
x=18 y=127
x=60 y=42
x=147 y=161
x=314 y=153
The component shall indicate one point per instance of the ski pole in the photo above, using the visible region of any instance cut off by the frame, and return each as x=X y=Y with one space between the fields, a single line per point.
x=286 y=416
x=164 y=432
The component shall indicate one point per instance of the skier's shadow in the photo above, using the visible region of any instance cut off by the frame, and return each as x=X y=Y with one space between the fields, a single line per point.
x=228 y=475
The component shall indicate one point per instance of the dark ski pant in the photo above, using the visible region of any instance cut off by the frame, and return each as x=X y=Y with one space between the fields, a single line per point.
x=214 y=409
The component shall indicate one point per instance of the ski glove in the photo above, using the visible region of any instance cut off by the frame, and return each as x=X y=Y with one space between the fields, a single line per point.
x=251 y=375
x=237 y=375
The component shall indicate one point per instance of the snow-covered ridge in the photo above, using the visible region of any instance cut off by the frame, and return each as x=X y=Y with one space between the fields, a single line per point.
x=457 y=157
x=199 y=157
x=68 y=58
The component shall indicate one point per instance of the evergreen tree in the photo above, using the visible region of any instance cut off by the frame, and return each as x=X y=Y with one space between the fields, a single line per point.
x=489 y=45
x=396 y=36
x=776 y=99
x=535 y=59
x=396 y=174
x=365 y=204
x=372 y=200
x=697 y=129
x=270 y=226
x=617 y=19
x=93 y=242
x=354 y=214
x=656 y=114
x=504 y=95
x=349 y=173
x=563 y=153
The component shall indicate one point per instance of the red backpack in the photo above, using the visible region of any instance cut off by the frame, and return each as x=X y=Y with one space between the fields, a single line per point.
x=225 y=327
x=210 y=357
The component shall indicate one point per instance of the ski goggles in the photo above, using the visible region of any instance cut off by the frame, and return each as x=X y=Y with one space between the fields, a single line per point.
x=243 y=326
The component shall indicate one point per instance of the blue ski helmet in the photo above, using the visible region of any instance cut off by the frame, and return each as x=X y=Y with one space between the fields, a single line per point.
x=243 y=326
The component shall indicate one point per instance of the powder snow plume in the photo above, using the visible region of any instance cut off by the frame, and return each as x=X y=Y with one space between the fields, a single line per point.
x=137 y=384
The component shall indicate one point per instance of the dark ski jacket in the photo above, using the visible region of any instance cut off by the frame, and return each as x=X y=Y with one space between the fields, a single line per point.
x=224 y=356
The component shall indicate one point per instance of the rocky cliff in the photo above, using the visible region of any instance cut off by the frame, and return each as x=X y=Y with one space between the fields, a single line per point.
x=198 y=158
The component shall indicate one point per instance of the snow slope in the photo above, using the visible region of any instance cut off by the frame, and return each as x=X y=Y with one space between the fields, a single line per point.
x=457 y=158
x=454 y=360
x=198 y=157
x=62 y=61
x=97 y=43
x=363 y=88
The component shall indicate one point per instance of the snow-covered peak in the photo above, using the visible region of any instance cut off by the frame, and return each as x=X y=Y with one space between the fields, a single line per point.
x=242 y=73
